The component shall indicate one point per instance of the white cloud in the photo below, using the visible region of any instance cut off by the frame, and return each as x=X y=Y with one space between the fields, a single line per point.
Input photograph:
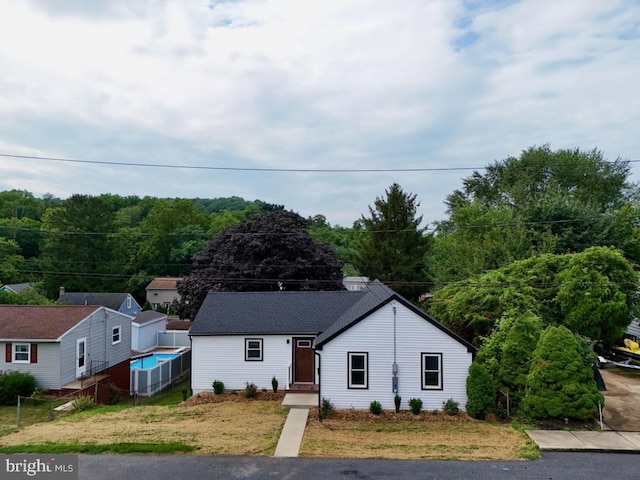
x=289 y=84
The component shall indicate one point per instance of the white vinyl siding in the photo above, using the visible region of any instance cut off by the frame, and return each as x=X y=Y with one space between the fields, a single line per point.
x=414 y=336
x=46 y=371
x=145 y=337
x=95 y=328
x=223 y=358
x=253 y=349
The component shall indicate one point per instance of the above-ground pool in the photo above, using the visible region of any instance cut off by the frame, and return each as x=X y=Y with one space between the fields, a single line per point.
x=151 y=361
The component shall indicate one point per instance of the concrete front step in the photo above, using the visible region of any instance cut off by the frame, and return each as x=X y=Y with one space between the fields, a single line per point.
x=300 y=400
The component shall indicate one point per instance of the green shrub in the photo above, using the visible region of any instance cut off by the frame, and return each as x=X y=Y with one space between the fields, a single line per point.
x=83 y=402
x=560 y=384
x=415 y=404
x=218 y=387
x=233 y=392
x=39 y=392
x=375 y=407
x=274 y=384
x=326 y=408
x=14 y=384
x=481 y=398
x=517 y=351
x=115 y=394
x=250 y=390
x=397 y=400
x=451 y=407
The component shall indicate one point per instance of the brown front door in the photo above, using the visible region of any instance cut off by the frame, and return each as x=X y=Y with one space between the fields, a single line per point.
x=303 y=360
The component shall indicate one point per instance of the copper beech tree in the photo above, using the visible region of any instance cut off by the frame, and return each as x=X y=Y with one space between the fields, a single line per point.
x=268 y=252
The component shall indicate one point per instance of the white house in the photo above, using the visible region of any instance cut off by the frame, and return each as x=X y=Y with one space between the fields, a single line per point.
x=145 y=328
x=353 y=346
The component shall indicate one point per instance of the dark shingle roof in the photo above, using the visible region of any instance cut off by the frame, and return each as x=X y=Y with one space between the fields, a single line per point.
x=325 y=313
x=148 y=316
x=40 y=322
x=110 y=300
x=16 y=287
x=229 y=313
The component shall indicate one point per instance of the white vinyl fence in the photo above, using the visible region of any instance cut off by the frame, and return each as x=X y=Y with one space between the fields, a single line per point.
x=146 y=382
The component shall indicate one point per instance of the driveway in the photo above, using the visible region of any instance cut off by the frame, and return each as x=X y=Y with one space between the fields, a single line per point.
x=622 y=399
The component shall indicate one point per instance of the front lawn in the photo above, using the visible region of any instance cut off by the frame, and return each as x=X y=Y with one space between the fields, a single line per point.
x=233 y=425
x=404 y=436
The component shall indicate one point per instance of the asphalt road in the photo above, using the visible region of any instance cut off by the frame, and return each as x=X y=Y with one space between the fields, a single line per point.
x=551 y=466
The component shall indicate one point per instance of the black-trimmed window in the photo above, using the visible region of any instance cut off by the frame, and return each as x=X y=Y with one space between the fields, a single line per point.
x=358 y=370
x=431 y=371
x=115 y=335
x=253 y=349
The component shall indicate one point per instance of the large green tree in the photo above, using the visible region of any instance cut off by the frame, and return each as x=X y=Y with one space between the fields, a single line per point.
x=78 y=247
x=171 y=233
x=592 y=292
x=270 y=252
x=597 y=294
x=393 y=244
x=11 y=263
x=543 y=201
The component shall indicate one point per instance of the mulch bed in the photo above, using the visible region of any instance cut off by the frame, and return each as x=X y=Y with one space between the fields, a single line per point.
x=392 y=416
x=204 y=398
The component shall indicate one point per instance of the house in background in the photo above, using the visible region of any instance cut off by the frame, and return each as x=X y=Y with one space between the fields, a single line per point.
x=67 y=348
x=162 y=291
x=145 y=328
x=120 y=302
x=355 y=283
x=15 y=287
x=354 y=346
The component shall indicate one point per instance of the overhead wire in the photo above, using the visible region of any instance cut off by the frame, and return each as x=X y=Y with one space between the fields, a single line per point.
x=253 y=169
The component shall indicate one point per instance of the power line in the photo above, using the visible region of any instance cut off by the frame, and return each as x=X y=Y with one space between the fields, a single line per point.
x=242 y=169
x=251 y=169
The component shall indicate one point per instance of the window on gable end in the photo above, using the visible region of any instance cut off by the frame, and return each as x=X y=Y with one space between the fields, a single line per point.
x=358 y=370
x=115 y=335
x=431 y=371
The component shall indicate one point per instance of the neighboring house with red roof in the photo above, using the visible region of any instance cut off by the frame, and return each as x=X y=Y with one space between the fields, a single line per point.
x=120 y=302
x=66 y=346
x=352 y=346
x=162 y=291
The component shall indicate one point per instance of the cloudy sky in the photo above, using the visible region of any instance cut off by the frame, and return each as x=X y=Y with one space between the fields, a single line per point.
x=257 y=94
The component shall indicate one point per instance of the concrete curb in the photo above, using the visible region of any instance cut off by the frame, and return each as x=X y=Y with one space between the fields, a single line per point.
x=578 y=441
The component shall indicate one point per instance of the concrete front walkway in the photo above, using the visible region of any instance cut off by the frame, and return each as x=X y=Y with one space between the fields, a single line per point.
x=582 y=441
x=293 y=430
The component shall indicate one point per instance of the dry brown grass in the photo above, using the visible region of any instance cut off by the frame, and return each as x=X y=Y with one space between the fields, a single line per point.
x=405 y=436
x=232 y=425
x=225 y=428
